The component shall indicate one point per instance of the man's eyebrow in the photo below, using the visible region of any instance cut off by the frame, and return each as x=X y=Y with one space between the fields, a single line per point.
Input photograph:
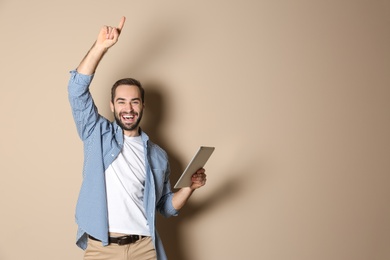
x=124 y=99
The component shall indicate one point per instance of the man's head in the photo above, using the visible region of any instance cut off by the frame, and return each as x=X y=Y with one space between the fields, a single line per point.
x=127 y=104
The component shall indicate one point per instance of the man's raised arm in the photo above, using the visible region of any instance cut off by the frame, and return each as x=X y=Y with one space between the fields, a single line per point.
x=107 y=37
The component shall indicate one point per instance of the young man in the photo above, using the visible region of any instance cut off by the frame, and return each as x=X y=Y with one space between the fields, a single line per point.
x=125 y=175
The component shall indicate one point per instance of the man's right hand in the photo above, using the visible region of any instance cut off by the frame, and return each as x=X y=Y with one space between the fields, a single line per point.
x=108 y=35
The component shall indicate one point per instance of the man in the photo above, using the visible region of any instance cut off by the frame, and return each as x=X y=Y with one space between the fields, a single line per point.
x=125 y=175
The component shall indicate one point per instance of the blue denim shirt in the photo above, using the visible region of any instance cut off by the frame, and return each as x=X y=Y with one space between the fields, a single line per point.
x=103 y=141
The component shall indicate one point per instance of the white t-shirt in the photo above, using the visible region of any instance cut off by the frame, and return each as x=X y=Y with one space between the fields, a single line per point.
x=125 y=184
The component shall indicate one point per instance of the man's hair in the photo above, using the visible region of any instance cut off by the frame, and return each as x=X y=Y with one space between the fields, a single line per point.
x=131 y=82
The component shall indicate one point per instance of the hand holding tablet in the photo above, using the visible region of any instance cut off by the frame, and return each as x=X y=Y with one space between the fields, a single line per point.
x=198 y=161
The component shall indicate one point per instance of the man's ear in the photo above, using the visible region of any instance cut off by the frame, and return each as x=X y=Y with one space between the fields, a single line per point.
x=112 y=107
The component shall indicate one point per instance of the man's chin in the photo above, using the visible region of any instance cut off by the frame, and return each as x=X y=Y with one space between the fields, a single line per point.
x=129 y=127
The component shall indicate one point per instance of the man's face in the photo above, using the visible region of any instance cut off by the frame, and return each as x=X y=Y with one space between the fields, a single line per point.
x=128 y=108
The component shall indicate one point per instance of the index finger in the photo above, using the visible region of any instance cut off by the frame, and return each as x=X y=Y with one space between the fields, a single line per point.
x=121 y=23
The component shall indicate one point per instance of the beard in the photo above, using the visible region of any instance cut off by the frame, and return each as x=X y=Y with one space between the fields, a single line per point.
x=126 y=126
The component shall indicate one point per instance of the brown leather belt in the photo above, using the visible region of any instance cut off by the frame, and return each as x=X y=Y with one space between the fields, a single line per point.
x=122 y=240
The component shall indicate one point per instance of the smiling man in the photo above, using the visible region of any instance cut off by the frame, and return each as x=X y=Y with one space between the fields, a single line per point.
x=125 y=175
x=127 y=97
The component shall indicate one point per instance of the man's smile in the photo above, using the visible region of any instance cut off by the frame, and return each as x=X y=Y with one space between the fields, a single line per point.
x=128 y=117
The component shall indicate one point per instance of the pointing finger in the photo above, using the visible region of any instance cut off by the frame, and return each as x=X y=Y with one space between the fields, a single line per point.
x=121 y=23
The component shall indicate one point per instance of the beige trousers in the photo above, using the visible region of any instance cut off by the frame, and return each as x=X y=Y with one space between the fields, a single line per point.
x=142 y=249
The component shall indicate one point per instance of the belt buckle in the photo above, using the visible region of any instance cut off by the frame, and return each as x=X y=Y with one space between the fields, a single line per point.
x=122 y=240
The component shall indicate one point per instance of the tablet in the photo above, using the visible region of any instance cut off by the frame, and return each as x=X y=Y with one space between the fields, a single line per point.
x=197 y=162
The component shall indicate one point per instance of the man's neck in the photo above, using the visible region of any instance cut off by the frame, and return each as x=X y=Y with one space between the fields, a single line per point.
x=132 y=133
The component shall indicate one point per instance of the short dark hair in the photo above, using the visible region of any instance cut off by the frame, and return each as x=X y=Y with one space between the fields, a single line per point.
x=131 y=82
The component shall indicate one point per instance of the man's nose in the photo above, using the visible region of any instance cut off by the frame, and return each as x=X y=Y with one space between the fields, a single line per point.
x=129 y=107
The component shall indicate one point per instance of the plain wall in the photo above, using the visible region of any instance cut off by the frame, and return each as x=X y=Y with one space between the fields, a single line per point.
x=294 y=95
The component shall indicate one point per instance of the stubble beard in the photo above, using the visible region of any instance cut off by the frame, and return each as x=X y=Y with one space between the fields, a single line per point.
x=128 y=127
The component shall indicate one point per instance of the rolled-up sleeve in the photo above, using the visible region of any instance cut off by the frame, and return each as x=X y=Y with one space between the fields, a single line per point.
x=84 y=111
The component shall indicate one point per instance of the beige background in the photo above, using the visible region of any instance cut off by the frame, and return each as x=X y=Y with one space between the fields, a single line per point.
x=293 y=94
